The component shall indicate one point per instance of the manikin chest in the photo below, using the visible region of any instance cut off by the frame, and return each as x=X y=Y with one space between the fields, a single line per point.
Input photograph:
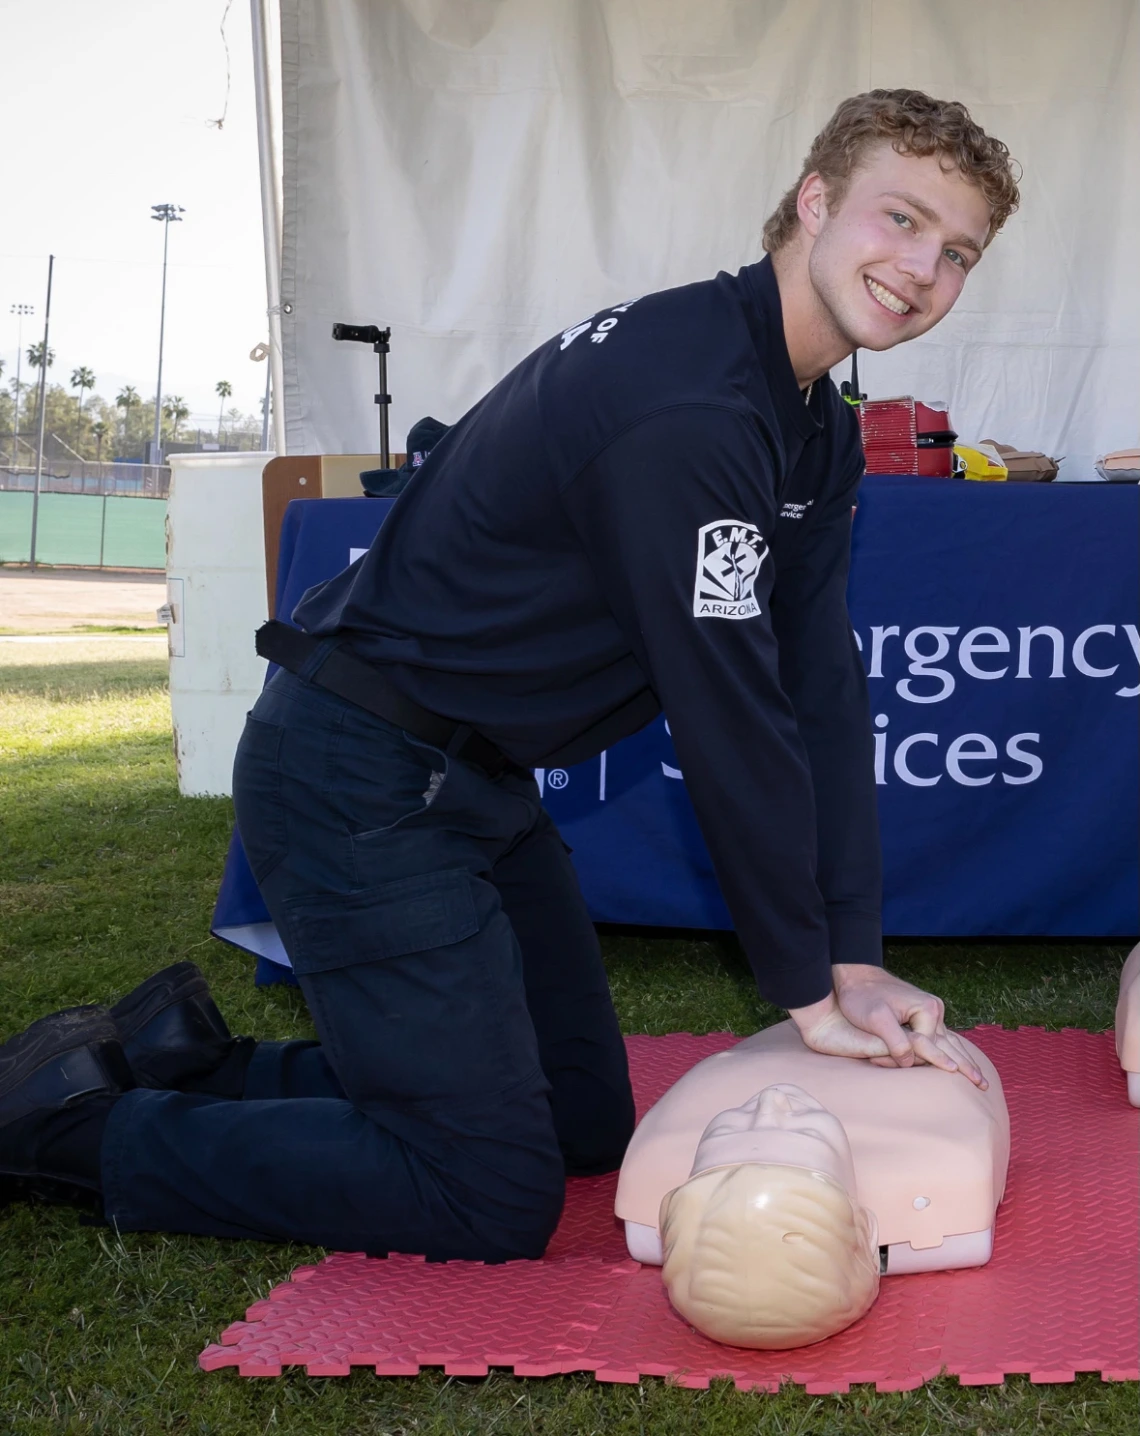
x=931 y=1151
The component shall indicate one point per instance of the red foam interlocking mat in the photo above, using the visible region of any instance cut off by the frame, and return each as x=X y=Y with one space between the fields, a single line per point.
x=1059 y=1296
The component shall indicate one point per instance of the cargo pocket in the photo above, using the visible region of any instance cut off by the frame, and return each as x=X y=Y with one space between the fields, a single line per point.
x=399 y=979
x=391 y=920
x=257 y=796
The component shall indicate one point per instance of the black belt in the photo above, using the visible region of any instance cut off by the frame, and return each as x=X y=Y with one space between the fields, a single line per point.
x=361 y=683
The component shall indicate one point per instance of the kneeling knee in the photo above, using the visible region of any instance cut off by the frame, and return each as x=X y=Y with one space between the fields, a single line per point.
x=596 y=1143
x=520 y=1224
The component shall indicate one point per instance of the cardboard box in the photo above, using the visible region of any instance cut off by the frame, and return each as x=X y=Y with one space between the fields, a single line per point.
x=1025 y=465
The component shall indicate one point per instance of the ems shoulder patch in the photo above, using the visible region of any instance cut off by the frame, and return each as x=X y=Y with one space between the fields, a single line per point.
x=729 y=555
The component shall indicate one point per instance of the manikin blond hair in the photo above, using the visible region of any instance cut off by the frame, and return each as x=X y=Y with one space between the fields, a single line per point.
x=768 y=1256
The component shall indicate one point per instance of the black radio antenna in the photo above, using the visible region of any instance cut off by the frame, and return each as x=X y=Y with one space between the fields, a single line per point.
x=850 y=387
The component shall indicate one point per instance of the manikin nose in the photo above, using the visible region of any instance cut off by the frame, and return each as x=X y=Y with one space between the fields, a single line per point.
x=772 y=1102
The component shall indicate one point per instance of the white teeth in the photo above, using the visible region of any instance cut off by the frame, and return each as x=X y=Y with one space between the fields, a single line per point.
x=887 y=299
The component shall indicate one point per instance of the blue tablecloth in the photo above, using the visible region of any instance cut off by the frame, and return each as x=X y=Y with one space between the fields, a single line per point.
x=998 y=624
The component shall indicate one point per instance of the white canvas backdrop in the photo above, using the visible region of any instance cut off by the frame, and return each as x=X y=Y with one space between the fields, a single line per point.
x=479 y=174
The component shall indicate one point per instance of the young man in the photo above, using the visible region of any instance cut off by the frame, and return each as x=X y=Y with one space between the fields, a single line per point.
x=652 y=511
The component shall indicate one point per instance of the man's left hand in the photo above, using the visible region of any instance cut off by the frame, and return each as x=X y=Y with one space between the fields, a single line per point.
x=910 y=1021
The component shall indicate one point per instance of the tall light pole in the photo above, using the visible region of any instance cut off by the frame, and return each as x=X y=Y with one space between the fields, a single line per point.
x=19 y=310
x=167 y=214
x=40 y=424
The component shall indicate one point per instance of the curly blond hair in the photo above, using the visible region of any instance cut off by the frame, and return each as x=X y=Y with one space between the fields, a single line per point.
x=767 y=1256
x=913 y=124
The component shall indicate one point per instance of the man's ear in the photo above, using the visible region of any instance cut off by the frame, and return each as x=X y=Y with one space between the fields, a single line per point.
x=811 y=204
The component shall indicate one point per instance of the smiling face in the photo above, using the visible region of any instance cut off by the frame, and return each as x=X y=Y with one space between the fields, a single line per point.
x=781 y=1126
x=890 y=261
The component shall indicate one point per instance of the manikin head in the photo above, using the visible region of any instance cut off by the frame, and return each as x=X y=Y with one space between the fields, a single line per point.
x=898 y=198
x=765 y=1245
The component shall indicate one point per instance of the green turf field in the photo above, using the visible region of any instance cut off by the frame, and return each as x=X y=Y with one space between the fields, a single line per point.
x=106 y=875
x=84 y=530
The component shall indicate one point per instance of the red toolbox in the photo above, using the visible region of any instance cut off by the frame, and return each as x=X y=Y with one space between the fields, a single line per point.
x=904 y=436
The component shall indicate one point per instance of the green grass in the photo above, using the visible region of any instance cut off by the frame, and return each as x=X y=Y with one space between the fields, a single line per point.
x=151 y=628
x=107 y=874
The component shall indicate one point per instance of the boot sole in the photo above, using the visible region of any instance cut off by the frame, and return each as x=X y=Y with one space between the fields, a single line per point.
x=77 y=1051
x=52 y=1191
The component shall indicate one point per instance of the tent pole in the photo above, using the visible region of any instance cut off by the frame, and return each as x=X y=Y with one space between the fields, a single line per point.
x=269 y=163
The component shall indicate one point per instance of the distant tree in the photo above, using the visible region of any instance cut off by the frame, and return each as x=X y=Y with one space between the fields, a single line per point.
x=99 y=430
x=8 y=420
x=126 y=399
x=14 y=410
x=36 y=353
x=175 y=408
x=59 y=416
x=223 y=388
x=81 y=379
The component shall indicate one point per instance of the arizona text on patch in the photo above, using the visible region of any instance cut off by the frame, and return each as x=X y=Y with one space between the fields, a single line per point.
x=729 y=555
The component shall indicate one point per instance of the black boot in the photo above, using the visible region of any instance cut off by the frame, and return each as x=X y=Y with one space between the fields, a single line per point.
x=176 y=1039
x=59 y=1081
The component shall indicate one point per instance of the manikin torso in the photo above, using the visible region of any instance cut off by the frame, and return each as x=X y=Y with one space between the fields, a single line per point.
x=1128 y=1024
x=929 y=1150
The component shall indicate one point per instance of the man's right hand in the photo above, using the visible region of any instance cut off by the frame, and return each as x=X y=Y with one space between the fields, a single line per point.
x=824 y=1028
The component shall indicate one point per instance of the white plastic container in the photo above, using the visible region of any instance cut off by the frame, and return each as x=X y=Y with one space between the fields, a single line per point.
x=215 y=583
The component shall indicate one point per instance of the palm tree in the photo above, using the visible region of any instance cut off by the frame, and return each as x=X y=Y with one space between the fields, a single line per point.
x=223 y=388
x=175 y=408
x=99 y=430
x=82 y=378
x=36 y=353
x=126 y=399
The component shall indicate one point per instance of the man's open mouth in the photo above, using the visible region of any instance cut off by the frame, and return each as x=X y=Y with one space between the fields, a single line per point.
x=886 y=298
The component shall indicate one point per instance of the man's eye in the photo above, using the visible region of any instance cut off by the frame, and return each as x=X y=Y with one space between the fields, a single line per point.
x=899 y=219
x=955 y=258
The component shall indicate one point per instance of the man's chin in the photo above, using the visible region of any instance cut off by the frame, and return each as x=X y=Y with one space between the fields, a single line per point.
x=878 y=342
x=862 y=331
x=878 y=337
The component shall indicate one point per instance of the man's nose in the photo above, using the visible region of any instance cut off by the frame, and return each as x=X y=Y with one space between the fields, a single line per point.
x=919 y=261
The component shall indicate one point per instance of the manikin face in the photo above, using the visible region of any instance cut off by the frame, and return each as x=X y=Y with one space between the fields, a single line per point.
x=784 y=1126
x=891 y=261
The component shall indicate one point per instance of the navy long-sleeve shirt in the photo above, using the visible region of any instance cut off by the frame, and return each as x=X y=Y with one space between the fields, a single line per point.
x=644 y=515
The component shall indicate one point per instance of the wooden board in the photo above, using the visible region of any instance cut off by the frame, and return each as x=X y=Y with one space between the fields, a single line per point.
x=307 y=476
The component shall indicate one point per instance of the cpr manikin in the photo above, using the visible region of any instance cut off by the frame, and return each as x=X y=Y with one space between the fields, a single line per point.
x=919 y=1154
x=1128 y=1024
x=765 y=1245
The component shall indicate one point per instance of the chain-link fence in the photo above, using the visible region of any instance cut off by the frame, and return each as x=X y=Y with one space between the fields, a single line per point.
x=77 y=476
x=77 y=530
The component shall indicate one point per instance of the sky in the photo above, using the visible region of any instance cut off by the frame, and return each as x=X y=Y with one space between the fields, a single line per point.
x=113 y=105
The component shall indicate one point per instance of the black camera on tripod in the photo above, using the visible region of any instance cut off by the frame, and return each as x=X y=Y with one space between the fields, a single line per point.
x=379 y=339
x=362 y=334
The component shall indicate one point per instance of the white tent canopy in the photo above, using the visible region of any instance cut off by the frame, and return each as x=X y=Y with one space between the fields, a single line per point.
x=479 y=174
